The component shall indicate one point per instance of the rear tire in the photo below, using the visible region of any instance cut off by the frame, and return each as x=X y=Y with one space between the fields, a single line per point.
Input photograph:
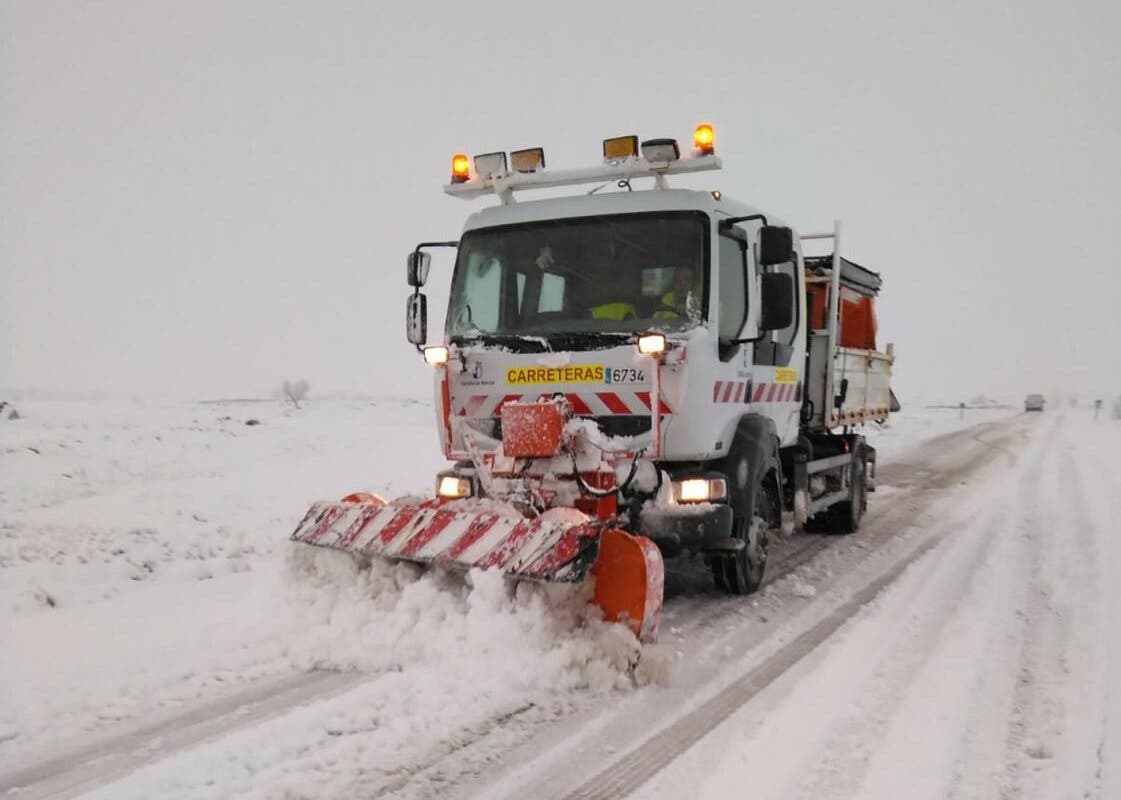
x=845 y=517
x=741 y=572
x=850 y=513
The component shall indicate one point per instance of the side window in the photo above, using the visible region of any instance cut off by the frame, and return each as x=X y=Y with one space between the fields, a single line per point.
x=552 y=292
x=733 y=294
x=484 y=278
x=786 y=335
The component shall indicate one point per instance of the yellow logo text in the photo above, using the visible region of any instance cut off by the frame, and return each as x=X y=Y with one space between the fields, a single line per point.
x=575 y=373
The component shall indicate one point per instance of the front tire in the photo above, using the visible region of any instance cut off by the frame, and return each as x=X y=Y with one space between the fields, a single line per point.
x=741 y=572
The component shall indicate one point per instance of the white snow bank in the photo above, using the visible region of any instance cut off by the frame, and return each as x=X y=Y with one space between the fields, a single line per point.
x=385 y=616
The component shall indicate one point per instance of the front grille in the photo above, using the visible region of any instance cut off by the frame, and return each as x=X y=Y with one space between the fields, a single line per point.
x=615 y=425
x=623 y=425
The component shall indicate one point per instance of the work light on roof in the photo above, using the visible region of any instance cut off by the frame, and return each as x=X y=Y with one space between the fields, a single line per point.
x=490 y=165
x=660 y=150
x=620 y=148
x=529 y=160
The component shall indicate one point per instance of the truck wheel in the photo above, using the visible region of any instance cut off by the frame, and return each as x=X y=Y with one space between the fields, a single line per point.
x=741 y=572
x=845 y=516
x=849 y=513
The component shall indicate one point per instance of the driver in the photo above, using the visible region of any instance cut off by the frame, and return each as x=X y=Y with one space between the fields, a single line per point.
x=677 y=303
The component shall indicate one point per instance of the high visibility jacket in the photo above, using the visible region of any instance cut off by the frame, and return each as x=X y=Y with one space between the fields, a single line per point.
x=620 y=310
x=668 y=311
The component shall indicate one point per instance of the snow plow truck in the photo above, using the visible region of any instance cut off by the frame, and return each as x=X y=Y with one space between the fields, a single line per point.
x=627 y=374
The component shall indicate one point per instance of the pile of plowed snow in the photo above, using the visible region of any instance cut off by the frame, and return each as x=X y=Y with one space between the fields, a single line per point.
x=379 y=616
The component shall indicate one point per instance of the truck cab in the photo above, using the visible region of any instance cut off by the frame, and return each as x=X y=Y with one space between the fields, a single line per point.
x=548 y=296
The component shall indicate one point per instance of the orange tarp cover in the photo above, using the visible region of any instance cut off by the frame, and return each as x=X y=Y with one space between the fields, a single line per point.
x=857 y=312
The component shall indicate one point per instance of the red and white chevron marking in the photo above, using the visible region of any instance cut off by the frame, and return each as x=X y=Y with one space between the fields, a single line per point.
x=776 y=393
x=544 y=548
x=729 y=391
x=584 y=404
x=745 y=392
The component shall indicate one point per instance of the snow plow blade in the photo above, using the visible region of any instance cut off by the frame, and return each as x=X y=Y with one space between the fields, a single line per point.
x=562 y=545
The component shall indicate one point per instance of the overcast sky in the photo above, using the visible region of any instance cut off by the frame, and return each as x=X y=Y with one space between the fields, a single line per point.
x=205 y=198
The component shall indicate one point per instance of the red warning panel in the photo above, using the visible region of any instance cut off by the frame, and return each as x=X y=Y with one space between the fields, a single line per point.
x=531 y=430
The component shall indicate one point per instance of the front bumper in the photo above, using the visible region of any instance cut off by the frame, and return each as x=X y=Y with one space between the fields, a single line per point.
x=704 y=526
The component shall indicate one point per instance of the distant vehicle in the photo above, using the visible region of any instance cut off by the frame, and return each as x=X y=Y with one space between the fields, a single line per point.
x=1033 y=402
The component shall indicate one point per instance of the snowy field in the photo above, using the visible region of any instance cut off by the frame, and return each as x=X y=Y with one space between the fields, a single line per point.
x=150 y=602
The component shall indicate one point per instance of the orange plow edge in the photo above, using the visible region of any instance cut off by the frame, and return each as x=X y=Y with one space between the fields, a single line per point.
x=630 y=580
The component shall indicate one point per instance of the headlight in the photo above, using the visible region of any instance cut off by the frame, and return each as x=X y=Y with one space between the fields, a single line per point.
x=453 y=487
x=436 y=355
x=652 y=344
x=700 y=490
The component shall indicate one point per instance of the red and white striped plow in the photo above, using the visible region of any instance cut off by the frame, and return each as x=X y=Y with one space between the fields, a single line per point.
x=561 y=545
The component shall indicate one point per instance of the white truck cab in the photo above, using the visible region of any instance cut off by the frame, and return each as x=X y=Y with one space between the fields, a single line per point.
x=673 y=325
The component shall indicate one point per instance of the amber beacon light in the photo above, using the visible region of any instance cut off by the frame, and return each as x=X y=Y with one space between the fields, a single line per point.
x=704 y=141
x=460 y=168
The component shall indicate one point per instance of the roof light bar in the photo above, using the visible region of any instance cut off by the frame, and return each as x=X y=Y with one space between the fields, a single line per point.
x=548 y=179
x=624 y=159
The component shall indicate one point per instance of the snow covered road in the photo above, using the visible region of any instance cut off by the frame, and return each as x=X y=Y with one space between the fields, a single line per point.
x=959 y=646
x=985 y=671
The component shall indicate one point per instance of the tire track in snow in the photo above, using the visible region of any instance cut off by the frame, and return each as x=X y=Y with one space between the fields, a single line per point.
x=886 y=685
x=962 y=689
x=1089 y=638
x=107 y=759
x=838 y=766
x=1051 y=676
x=1103 y=512
x=989 y=701
x=634 y=769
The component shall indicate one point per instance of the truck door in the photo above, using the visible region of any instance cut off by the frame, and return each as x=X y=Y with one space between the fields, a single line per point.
x=778 y=347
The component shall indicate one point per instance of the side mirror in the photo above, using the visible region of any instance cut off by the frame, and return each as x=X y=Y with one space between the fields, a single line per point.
x=777 y=310
x=416 y=319
x=776 y=245
x=418 y=263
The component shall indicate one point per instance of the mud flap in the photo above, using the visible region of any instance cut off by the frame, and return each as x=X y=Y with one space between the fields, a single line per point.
x=630 y=580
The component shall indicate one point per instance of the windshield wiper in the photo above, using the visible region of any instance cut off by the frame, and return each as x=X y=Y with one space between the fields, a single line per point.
x=547 y=342
x=519 y=343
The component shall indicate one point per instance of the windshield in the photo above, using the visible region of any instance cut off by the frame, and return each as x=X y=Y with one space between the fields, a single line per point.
x=608 y=274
